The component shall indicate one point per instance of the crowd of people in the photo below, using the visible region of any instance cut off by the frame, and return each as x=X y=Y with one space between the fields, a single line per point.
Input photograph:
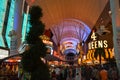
x=80 y=72
x=85 y=72
x=9 y=71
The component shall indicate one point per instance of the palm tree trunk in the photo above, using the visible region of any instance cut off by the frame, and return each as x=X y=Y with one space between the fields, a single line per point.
x=100 y=58
x=108 y=56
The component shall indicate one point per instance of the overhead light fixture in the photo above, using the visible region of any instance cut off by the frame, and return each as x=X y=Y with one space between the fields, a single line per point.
x=110 y=12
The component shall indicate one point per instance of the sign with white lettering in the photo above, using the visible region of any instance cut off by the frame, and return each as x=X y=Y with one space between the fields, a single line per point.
x=97 y=43
x=93 y=36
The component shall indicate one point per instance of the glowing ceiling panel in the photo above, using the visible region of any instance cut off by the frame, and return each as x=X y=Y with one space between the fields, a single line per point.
x=69 y=34
x=56 y=11
x=70 y=28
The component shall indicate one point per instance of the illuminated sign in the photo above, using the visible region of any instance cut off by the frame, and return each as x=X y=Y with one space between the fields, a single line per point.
x=10 y=22
x=3 y=5
x=109 y=52
x=4 y=53
x=97 y=43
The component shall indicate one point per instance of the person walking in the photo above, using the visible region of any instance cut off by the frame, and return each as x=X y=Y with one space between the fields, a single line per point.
x=103 y=74
x=78 y=73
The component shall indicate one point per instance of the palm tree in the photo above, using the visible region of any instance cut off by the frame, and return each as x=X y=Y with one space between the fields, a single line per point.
x=31 y=59
x=99 y=52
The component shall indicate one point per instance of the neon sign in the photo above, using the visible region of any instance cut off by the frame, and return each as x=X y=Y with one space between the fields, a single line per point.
x=97 y=43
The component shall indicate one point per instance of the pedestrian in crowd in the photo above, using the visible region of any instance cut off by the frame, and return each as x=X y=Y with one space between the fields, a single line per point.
x=53 y=75
x=103 y=74
x=57 y=71
x=78 y=73
x=88 y=73
x=70 y=72
x=77 y=77
x=65 y=73
x=95 y=74
x=114 y=73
